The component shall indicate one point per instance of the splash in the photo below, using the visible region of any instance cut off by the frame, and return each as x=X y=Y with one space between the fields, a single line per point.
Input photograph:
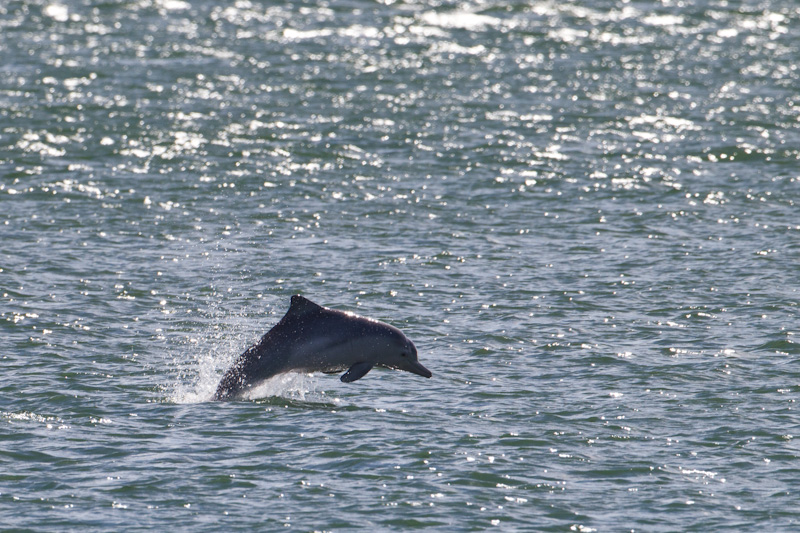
x=292 y=386
x=201 y=360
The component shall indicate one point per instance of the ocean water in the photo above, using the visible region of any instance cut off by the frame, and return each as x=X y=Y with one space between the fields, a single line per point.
x=584 y=213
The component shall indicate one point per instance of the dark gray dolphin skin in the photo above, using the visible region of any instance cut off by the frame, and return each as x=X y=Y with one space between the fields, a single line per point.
x=312 y=338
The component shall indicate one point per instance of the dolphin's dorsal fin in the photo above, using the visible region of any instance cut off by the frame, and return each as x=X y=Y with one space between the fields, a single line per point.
x=302 y=306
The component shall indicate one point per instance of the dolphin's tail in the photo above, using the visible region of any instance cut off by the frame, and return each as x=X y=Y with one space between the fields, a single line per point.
x=251 y=368
x=229 y=387
x=234 y=381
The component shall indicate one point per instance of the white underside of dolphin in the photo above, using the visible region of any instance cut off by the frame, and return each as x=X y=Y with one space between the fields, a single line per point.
x=312 y=338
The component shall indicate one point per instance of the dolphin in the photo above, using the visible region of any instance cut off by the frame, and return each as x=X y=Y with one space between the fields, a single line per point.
x=312 y=338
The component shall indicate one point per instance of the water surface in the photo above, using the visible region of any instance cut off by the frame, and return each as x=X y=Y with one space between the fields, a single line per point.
x=583 y=213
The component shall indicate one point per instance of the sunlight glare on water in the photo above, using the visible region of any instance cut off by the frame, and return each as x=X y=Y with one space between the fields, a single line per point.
x=584 y=214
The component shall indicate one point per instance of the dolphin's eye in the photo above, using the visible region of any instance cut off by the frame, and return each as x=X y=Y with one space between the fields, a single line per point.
x=404 y=354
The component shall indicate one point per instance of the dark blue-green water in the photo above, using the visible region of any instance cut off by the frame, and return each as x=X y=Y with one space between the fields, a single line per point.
x=584 y=213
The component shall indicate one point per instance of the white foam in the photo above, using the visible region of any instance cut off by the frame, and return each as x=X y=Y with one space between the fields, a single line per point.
x=291 y=386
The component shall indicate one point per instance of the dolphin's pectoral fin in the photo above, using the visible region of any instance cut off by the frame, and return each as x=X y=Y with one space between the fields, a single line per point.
x=357 y=371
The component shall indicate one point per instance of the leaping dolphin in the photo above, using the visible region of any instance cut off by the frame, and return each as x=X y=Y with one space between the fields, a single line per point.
x=312 y=338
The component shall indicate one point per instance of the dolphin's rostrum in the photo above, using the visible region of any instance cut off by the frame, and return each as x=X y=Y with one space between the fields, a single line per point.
x=312 y=338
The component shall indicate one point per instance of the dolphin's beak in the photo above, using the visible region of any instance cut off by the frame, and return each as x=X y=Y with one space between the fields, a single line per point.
x=415 y=368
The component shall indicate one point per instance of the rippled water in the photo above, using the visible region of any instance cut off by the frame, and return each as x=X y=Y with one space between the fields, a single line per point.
x=583 y=213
